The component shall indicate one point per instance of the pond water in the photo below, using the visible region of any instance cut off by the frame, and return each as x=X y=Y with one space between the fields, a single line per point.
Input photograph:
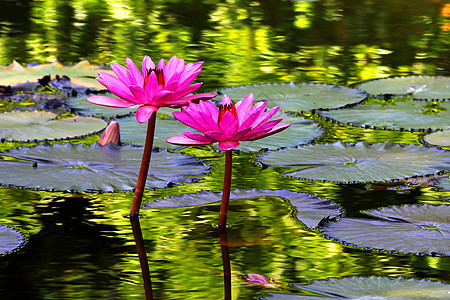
x=80 y=245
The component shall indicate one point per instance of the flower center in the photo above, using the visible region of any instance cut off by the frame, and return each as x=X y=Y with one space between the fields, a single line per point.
x=227 y=107
x=159 y=77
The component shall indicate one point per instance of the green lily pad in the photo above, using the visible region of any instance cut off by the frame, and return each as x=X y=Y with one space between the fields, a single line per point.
x=310 y=209
x=301 y=131
x=298 y=97
x=406 y=229
x=41 y=125
x=419 y=87
x=440 y=138
x=82 y=107
x=10 y=239
x=96 y=168
x=82 y=74
x=380 y=288
x=133 y=132
x=444 y=183
x=360 y=162
x=410 y=115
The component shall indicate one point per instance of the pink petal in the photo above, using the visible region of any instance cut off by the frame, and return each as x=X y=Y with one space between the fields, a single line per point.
x=191 y=98
x=183 y=140
x=273 y=130
x=198 y=137
x=228 y=124
x=147 y=65
x=151 y=87
x=183 y=92
x=115 y=86
x=162 y=98
x=186 y=118
x=144 y=112
x=161 y=65
x=109 y=101
x=265 y=116
x=135 y=73
x=121 y=73
x=243 y=107
x=226 y=100
x=140 y=94
x=228 y=145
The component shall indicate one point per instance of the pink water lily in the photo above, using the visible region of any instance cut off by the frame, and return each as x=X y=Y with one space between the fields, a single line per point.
x=156 y=86
x=228 y=124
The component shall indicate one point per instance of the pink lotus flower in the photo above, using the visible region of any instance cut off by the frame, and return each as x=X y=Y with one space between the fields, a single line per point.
x=228 y=124
x=111 y=134
x=161 y=86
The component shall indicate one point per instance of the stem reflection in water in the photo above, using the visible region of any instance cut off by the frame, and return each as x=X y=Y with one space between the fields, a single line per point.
x=225 y=261
x=137 y=233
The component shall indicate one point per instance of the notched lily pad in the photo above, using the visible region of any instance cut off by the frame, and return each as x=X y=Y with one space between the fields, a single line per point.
x=298 y=97
x=83 y=73
x=41 y=125
x=360 y=162
x=419 y=87
x=96 y=168
x=310 y=209
x=407 y=229
x=382 y=288
x=10 y=239
x=408 y=115
x=440 y=138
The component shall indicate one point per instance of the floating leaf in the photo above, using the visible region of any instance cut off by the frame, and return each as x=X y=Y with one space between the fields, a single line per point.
x=440 y=138
x=444 y=183
x=30 y=101
x=358 y=162
x=134 y=132
x=83 y=107
x=400 y=115
x=109 y=168
x=299 y=96
x=406 y=229
x=301 y=131
x=382 y=288
x=419 y=87
x=41 y=125
x=83 y=73
x=310 y=209
x=10 y=239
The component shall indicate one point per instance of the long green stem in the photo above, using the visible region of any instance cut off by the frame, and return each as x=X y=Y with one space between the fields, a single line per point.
x=140 y=186
x=226 y=188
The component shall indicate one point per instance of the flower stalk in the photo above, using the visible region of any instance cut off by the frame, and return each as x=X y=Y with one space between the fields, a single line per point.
x=226 y=189
x=140 y=186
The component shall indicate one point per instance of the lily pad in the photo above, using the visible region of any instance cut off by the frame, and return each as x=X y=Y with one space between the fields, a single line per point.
x=298 y=97
x=10 y=239
x=416 y=115
x=133 y=132
x=301 y=131
x=96 y=168
x=382 y=288
x=310 y=210
x=440 y=138
x=83 y=107
x=41 y=125
x=419 y=87
x=407 y=229
x=83 y=73
x=360 y=162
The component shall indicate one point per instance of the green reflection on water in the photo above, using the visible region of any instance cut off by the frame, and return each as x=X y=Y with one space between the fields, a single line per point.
x=81 y=246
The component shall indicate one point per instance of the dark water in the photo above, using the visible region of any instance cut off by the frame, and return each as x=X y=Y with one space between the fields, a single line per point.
x=80 y=246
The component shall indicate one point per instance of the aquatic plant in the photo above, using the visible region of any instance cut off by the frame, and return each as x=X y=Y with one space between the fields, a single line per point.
x=227 y=125
x=157 y=86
